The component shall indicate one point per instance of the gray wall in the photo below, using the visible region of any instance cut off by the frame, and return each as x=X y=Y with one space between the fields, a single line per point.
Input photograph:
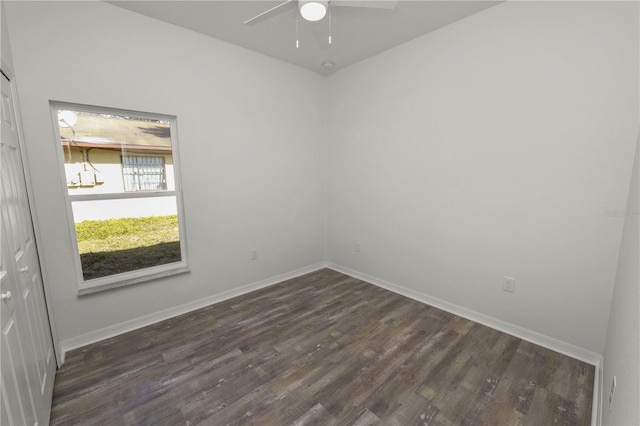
x=7 y=58
x=493 y=147
x=251 y=137
x=622 y=351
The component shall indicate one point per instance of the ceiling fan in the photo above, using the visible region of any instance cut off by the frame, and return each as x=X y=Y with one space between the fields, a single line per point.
x=316 y=10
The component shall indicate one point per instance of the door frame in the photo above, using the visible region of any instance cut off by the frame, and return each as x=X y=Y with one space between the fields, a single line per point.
x=8 y=72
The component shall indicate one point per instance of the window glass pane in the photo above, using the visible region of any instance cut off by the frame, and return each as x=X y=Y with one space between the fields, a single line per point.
x=108 y=153
x=123 y=235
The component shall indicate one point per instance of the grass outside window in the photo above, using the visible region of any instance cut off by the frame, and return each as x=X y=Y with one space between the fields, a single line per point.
x=114 y=246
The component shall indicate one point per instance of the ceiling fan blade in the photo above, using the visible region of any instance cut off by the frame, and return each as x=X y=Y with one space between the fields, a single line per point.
x=277 y=10
x=372 y=4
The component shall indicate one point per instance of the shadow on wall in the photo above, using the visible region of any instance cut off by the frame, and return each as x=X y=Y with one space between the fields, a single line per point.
x=159 y=131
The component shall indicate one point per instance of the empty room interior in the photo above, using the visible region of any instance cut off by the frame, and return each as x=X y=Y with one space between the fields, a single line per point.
x=320 y=212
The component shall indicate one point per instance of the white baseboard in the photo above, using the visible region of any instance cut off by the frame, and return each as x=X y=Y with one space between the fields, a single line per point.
x=598 y=390
x=143 y=321
x=539 y=339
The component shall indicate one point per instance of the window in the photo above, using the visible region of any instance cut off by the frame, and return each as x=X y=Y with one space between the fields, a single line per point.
x=143 y=173
x=120 y=169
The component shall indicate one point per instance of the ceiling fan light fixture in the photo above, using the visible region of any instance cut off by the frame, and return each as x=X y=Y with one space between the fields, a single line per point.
x=313 y=10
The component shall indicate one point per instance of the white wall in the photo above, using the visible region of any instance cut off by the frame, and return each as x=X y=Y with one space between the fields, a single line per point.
x=251 y=138
x=622 y=351
x=492 y=147
x=5 y=47
x=115 y=209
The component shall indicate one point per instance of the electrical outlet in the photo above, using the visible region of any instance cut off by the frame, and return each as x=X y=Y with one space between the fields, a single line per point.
x=613 y=392
x=254 y=254
x=357 y=247
x=509 y=284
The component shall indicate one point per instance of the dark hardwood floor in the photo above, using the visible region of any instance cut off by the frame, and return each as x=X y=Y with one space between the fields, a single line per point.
x=324 y=349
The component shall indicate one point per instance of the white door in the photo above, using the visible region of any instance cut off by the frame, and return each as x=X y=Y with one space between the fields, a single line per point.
x=17 y=407
x=28 y=361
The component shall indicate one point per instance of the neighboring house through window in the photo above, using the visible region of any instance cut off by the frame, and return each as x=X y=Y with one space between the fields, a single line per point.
x=120 y=169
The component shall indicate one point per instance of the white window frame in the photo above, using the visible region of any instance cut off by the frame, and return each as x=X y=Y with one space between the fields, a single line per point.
x=140 y=275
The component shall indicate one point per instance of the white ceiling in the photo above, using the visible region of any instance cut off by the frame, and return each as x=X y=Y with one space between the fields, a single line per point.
x=357 y=32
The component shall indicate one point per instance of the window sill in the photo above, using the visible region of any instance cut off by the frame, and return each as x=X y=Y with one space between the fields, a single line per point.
x=130 y=278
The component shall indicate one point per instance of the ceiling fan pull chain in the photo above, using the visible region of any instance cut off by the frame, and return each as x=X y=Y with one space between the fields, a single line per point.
x=297 y=32
x=329 y=11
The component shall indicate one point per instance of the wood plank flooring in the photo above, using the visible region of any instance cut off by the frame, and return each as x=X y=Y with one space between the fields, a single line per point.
x=323 y=349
